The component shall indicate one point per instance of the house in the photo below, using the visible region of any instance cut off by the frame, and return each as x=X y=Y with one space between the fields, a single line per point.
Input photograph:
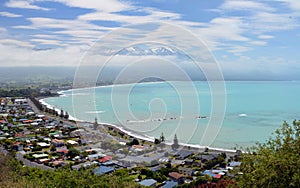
x=188 y=161
x=212 y=174
x=137 y=148
x=72 y=142
x=175 y=176
x=40 y=156
x=58 y=163
x=96 y=156
x=186 y=171
x=103 y=170
x=3 y=121
x=170 y=184
x=57 y=143
x=105 y=159
x=155 y=168
x=235 y=164
x=62 y=151
x=177 y=162
x=43 y=160
x=17 y=146
x=183 y=154
x=206 y=157
x=43 y=144
x=148 y=182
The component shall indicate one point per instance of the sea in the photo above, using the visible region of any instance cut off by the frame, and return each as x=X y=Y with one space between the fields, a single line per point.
x=236 y=115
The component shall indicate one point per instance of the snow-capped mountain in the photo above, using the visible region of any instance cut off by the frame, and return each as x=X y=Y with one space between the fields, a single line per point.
x=137 y=51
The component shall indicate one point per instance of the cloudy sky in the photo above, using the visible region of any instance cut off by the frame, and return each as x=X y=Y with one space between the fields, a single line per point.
x=261 y=36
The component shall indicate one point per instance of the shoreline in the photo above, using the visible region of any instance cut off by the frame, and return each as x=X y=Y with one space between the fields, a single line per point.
x=133 y=134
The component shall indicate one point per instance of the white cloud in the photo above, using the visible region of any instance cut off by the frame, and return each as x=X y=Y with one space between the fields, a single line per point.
x=268 y=22
x=245 y=5
x=265 y=36
x=10 y=15
x=258 y=43
x=40 y=22
x=17 y=43
x=220 y=30
x=49 y=42
x=45 y=36
x=100 y=5
x=25 y=4
x=293 y=4
x=17 y=56
x=153 y=15
x=239 y=49
x=82 y=33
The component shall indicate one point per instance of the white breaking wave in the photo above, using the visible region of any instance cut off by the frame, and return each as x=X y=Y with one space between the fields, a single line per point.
x=242 y=115
x=95 y=112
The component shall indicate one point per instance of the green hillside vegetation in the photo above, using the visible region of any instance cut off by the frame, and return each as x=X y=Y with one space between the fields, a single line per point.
x=275 y=163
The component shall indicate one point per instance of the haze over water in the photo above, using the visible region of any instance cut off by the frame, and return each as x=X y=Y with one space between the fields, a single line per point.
x=253 y=110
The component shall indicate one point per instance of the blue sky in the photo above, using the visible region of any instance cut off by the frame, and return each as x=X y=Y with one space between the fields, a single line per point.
x=261 y=36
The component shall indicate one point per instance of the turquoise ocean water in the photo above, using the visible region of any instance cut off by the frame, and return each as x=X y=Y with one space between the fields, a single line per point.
x=253 y=109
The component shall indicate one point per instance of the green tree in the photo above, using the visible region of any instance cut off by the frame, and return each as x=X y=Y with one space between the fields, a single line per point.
x=73 y=152
x=275 y=163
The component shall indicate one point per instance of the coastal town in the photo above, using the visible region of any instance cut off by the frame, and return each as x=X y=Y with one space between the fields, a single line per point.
x=47 y=139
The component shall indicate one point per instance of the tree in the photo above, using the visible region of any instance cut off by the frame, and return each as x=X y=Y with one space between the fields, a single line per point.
x=156 y=141
x=95 y=125
x=135 y=142
x=275 y=163
x=61 y=113
x=73 y=152
x=66 y=115
x=175 y=144
x=162 y=137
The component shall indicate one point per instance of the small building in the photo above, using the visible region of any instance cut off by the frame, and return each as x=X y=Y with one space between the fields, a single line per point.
x=170 y=184
x=148 y=182
x=57 y=143
x=188 y=161
x=59 y=163
x=96 y=156
x=186 y=171
x=40 y=156
x=212 y=174
x=105 y=159
x=175 y=176
x=183 y=154
x=103 y=170
x=72 y=142
x=62 y=151
x=155 y=168
x=206 y=157
x=43 y=160
x=235 y=164
x=43 y=144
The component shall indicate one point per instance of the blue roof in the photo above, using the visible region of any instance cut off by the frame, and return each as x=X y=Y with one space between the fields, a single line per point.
x=170 y=184
x=148 y=182
x=208 y=172
x=234 y=163
x=103 y=170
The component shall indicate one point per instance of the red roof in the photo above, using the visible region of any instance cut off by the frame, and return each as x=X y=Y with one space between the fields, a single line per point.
x=2 y=121
x=105 y=159
x=218 y=176
x=27 y=121
x=175 y=175
x=57 y=162
x=138 y=146
x=17 y=143
x=65 y=151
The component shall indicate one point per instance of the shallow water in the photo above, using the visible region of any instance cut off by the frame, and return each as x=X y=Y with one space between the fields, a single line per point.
x=253 y=109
